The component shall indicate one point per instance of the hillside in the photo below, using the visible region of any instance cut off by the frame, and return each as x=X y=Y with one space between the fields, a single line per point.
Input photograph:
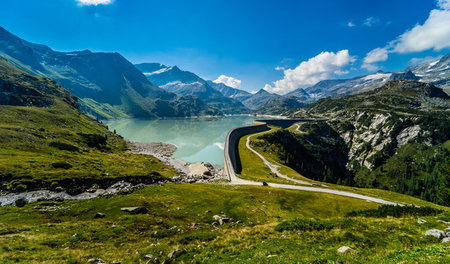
x=185 y=83
x=395 y=137
x=281 y=106
x=46 y=142
x=108 y=85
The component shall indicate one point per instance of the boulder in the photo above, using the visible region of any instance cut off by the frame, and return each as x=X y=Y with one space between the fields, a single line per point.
x=176 y=253
x=345 y=249
x=21 y=202
x=201 y=168
x=99 y=215
x=436 y=233
x=135 y=210
x=421 y=221
x=446 y=240
x=97 y=260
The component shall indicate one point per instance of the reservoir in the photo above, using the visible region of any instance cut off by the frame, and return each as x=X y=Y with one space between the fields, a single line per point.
x=196 y=139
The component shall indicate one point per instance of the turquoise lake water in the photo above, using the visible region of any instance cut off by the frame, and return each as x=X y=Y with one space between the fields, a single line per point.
x=197 y=139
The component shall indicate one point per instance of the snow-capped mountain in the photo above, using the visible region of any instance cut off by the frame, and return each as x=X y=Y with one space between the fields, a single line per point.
x=436 y=72
x=185 y=83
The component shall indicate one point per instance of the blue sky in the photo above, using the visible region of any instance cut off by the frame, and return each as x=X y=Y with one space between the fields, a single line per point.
x=261 y=43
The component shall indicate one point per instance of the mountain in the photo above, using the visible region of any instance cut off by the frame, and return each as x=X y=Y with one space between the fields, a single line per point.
x=301 y=94
x=47 y=142
x=108 y=85
x=185 y=83
x=406 y=75
x=281 y=106
x=396 y=137
x=231 y=92
x=335 y=88
x=260 y=98
x=436 y=72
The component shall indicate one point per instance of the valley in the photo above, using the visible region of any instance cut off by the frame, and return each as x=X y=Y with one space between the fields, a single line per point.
x=184 y=134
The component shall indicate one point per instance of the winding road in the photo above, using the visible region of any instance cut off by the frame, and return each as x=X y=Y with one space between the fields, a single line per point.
x=234 y=180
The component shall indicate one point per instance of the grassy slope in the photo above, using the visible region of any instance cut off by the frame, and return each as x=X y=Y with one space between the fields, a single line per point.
x=28 y=135
x=254 y=169
x=49 y=236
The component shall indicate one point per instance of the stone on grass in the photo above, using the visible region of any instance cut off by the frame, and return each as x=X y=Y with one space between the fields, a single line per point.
x=436 y=233
x=135 y=210
x=175 y=253
x=346 y=249
x=97 y=260
x=421 y=221
x=446 y=240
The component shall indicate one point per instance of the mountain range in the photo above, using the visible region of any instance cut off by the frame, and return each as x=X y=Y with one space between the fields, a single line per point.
x=436 y=72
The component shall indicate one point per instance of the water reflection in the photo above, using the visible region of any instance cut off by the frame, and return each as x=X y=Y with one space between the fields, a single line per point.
x=197 y=139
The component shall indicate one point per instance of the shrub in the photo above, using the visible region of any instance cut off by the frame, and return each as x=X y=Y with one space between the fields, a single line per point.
x=61 y=165
x=396 y=211
x=64 y=146
x=304 y=225
x=200 y=236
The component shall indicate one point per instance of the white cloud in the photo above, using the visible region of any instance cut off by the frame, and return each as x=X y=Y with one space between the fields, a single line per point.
x=321 y=67
x=94 y=2
x=375 y=55
x=280 y=68
x=351 y=24
x=417 y=61
x=229 y=81
x=371 y=21
x=434 y=34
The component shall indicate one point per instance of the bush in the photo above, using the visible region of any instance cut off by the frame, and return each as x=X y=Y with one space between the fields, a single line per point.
x=304 y=225
x=200 y=236
x=94 y=140
x=64 y=146
x=61 y=165
x=396 y=211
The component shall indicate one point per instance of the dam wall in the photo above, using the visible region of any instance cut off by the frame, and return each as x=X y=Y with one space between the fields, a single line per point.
x=232 y=141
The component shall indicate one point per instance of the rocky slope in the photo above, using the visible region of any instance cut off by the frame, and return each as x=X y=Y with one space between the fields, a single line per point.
x=185 y=83
x=109 y=85
x=47 y=143
x=395 y=137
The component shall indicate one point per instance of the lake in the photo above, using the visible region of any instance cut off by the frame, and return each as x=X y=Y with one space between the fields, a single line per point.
x=196 y=139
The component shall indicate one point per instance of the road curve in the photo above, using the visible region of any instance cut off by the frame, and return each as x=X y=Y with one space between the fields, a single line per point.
x=274 y=168
x=234 y=180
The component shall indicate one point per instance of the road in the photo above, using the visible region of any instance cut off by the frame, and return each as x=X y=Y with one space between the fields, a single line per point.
x=234 y=180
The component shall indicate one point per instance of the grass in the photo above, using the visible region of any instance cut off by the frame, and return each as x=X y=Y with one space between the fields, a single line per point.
x=33 y=139
x=254 y=169
x=180 y=217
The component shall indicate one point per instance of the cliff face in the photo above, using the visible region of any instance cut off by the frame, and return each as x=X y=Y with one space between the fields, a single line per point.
x=396 y=137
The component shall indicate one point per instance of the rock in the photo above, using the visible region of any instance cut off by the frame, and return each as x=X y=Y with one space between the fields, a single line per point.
x=436 y=233
x=201 y=168
x=134 y=210
x=99 y=215
x=97 y=260
x=345 y=249
x=446 y=240
x=421 y=221
x=148 y=256
x=175 y=253
x=265 y=183
x=59 y=189
x=224 y=220
x=21 y=202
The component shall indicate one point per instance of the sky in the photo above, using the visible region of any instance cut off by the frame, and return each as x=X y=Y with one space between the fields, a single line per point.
x=278 y=45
